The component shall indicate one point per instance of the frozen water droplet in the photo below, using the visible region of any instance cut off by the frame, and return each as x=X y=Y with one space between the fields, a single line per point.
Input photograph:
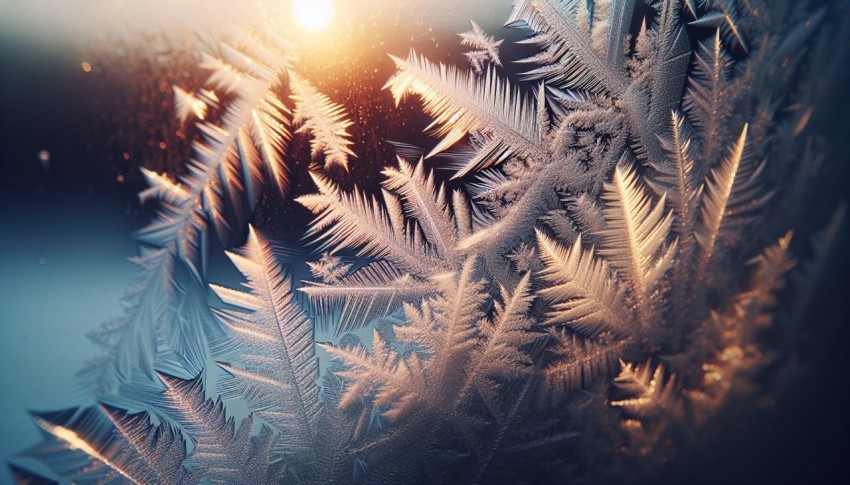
x=42 y=261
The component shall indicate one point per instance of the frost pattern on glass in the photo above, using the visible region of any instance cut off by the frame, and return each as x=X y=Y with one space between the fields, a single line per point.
x=600 y=279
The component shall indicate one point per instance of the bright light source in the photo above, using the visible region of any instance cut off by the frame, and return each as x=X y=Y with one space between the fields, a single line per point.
x=314 y=14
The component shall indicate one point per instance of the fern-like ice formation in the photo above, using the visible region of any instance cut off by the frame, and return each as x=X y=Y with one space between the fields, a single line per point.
x=405 y=255
x=316 y=114
x=485 y=47
x=593 y=275
x=221 y=186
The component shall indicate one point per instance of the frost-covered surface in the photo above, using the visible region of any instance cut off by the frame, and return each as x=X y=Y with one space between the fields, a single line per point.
x=591 y=296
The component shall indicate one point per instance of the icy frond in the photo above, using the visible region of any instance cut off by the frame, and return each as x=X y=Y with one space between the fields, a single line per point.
x=357 y=221
x=486 y=48
x=561 y=225
x=708 y=100
x=370 y=292
x=731 y=190
x=677 y=175
x=611 y=29
x=458 y=359
x=658 y=87
x=467 y=216
x=277 y=369
x=500 y=236
x=162 y=188
x=251 y=70
x=330 y=268
x=325 y=120
x=725 y=18
x=569 y=57
x=524 y=258
x=222 y=453
x=769 y=275
x=406 y=150
x=414 y=235
x=107 y=445
x=577 y=363
x=635 y=237
x=460 y=103
x=544 y=125
x=649 y=402
x=426 y=203
x=581 y=290
x=259 y=55
x=534 y=198
x=339 y=431
x=131 y=340
x=446 y=326
x=223 y=177
x=397 y=385
x=641 y=61
x=584 y=147
x=506 y=341
x=647 y=392
x=229 y=159
x=587 y=215
x=186 y=105
x=477 y=59
x=691 y=7
x=677 y=178
x=718 y=190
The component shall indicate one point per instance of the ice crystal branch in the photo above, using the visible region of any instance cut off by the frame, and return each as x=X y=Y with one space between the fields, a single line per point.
x=278 y=369
x=315 y=113
x=486 y=48
x=408 y=254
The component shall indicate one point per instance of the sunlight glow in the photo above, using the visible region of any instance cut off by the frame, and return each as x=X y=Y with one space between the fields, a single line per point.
x=313 y=14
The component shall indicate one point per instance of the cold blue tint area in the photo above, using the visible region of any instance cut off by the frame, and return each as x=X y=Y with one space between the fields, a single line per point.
x=64 y=238
x=64 y=266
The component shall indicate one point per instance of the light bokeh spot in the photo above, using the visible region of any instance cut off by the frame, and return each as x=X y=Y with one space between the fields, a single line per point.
x=314 y=15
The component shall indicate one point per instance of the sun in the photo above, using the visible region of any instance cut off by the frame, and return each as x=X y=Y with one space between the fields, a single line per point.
x=313 y=14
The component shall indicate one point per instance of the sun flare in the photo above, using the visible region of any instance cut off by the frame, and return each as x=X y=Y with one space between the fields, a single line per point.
x=314 y=14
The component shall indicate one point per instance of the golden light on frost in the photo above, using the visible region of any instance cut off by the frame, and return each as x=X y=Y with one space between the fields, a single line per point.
x=313 y=14
x=74 y=442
